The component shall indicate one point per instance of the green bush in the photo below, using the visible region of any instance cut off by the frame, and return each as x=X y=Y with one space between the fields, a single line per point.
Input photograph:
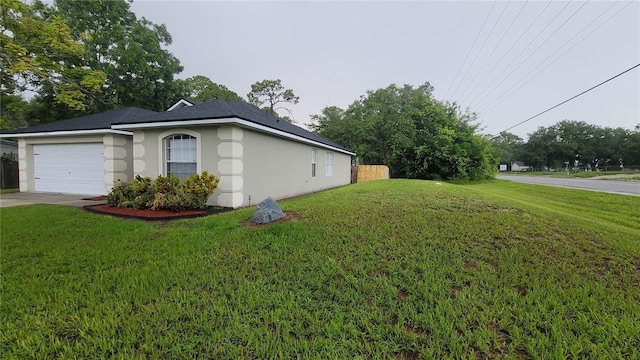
x=6 y=157
x=197 y=189
x=132 y=194
x=165 y=193
x=166 y=190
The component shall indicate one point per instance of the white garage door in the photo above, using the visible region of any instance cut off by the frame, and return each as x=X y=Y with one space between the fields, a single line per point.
x=69 y=168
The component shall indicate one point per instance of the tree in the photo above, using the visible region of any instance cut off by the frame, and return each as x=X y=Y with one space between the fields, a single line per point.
x=545 y=149
x=449 y=147
x=509 y=146
x=633 y=145
x=633 y=155
x=269 y=94
x=13 y=110
x=590 y=145
x=39 y=53
x=412 y=133
x=200 y=88
x=139 y=71
x=331 y=123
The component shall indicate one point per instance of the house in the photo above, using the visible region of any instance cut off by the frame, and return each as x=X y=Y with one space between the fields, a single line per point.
x=77 y=156
x=519 y=166
x=9 y=147
x=254 y=153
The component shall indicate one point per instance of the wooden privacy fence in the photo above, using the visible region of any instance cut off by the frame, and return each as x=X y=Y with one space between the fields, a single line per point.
x=362 y=173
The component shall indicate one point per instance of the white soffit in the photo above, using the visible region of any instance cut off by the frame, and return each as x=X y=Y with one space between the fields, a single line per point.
x=181 y=103
x=67 y=133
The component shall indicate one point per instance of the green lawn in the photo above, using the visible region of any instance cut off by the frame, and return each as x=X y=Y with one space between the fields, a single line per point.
x=386 y=269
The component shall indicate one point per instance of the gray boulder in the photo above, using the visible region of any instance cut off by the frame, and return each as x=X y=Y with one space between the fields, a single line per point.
x=267 y=211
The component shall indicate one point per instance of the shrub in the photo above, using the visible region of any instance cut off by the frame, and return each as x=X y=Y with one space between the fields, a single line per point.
x=197 y=189
x=130 y=194
x=166 y=192
x=141 y=188
x=7 y=157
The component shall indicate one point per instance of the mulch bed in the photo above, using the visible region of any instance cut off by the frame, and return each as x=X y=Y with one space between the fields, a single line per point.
x=153 y=215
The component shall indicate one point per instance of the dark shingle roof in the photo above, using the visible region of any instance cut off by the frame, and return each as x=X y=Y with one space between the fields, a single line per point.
x=218 y=109
x=87 y=122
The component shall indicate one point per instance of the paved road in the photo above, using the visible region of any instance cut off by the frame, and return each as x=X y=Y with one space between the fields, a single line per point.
x=610 y=186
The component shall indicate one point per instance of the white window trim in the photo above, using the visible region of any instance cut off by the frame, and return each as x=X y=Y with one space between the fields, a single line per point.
x=314 y=161
x=161 y=161
x=328 y=166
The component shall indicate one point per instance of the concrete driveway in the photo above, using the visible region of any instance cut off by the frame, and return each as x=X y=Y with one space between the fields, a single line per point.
x=19 y=198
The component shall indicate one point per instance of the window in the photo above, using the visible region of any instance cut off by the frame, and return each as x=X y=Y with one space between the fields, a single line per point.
x=180 y=155
x=314 y=160
x=329 y=164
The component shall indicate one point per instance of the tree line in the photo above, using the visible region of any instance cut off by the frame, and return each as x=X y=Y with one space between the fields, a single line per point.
x=73 y=58
x=412 y=133
x=82 y=57
x=573 y=144
x=417 y=136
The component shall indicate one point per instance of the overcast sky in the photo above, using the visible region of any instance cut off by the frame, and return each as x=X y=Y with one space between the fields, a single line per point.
x=476 y=53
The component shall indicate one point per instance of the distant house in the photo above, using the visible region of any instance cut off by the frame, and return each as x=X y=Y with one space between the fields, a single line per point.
x=254 y=153
x=519 y=166
x=8 y=169
x=9 y=147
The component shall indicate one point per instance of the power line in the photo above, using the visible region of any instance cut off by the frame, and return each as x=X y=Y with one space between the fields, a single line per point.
x=455 y=38
x=472 y=46
x=502 y=99
x=481 y=48
x=512 y=45
x=571 y=98
x=534 y=51
x=492 y=51
x=521 y=52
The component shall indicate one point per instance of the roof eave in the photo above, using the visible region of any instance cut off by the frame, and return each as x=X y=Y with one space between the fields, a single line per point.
x=67 y=133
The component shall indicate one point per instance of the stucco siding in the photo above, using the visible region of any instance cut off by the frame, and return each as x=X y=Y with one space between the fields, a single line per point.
x=148 y=159
x=145 y=153
x=148 y=147
x=23 y=166
x=209 y=149
x=230 y=167
x=118 y=159
x=282 y=168
x=246 y=161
